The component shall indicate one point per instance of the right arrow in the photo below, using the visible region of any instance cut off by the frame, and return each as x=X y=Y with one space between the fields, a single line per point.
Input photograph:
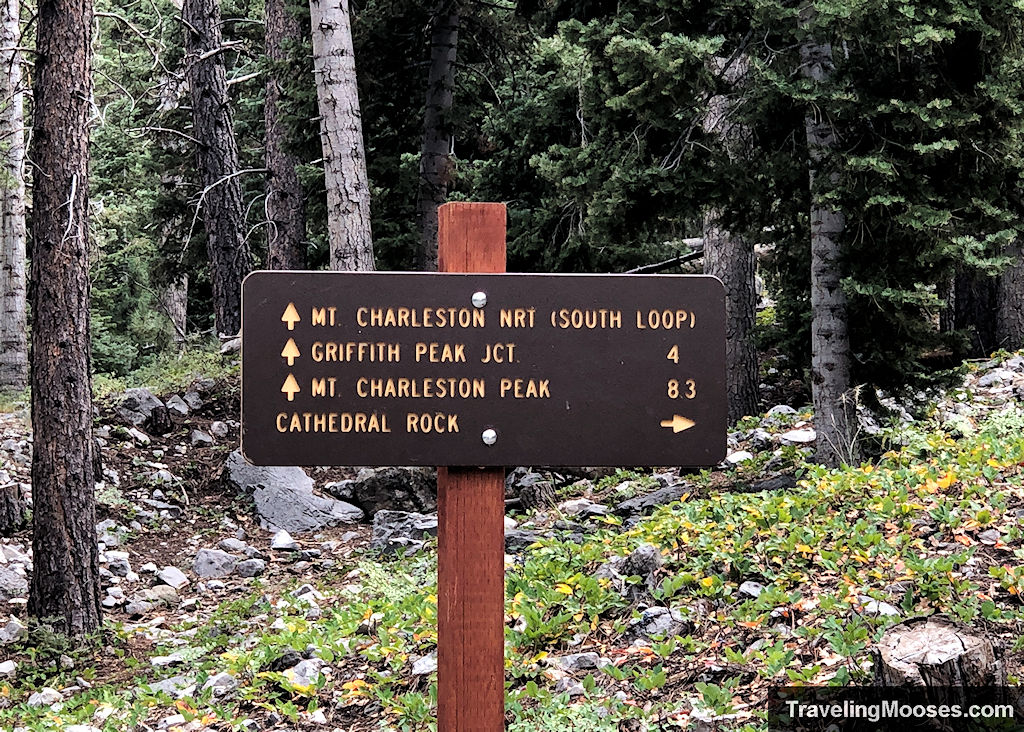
x=291 y=351
x=678 y=423
x=291 y=387
x=291 y=316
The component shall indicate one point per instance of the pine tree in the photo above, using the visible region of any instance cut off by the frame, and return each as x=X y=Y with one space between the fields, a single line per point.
x=65 y=587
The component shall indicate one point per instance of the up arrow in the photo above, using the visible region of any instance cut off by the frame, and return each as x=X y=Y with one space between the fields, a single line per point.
x=291 y=316
x=291 y=387
x=291 y=351
x=678 y=423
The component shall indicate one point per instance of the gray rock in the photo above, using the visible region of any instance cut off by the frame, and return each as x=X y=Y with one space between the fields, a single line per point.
x=578 y=662
x=751 y=589
x=8 y=669
x=644 y=561
x=740 y=456
x=401 y=530
x=193 y=400
x=178 y=406
x=781 y=410
x=760 y=439
x=45 y=697
x=219 y=429
x=251 y=568
x=233 y=545
x=222 y=684
x=990 y=537
x=137 y=608
x=517 y=540
x=13 y=632
x=81 y=728
x=582 y=507
x=136 y=406
x=655 y=623
x=163 y=595
x=283 y=541
x=231 y=346
x=425 y=665
x=878 y=609
x=140 y=437
x=12 y=585
x=284 y=497
x=304 y=673
x=570 y=686
x=198 y=438
x=645 y=504
x=413 y=490
x=213 y=563
x=175 y=687
x=799 y=437
x=173 y=577
x=995 y=378
x=120 y=567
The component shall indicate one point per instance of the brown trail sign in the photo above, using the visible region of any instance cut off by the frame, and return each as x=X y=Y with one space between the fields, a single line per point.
x=475 y=368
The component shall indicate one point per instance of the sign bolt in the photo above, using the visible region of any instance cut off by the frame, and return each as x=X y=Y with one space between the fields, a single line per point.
x=479 y=300
x=489 y=436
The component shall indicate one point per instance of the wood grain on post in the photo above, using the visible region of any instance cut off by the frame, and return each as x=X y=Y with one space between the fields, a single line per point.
x=471 y=538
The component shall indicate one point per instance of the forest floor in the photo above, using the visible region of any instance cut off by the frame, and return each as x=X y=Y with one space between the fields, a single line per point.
x=766 y=570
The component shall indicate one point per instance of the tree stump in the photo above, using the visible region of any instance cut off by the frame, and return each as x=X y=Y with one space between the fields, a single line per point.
x=538 y=495
x=936 y=652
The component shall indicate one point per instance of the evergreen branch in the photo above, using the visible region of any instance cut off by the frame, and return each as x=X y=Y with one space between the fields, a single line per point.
x=667 y=264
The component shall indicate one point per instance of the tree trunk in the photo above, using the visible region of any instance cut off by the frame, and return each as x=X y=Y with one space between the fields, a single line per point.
x=936 y=652
x=286 y=210
x=730 y=258
x=974 y=310
x=13 y=327
x=435 y=162
x=834 y=407
x=175 y=305
x=1010 y=302
x=65 y=580
x=217 y=159
x=341 y=134
x=12 y=505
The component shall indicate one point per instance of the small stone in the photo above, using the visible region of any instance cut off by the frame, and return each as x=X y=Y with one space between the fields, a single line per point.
x=198 y=438
x=212 y=563
x=221 y=684
x=220 y=430
x=304 y=673
x=175 y=687
x=140 y=437
x=137 y=608
x=990 y=537
x=45 y=697
x=582 y=507
x=425 y=665
x=66 y=662
x=177 y=405
x=751 y=589
x=570 y=686
x=120 y=567
x=163 y=594
x=8 y=669
x=781 y=410
x=171 y=576
x=510 y=523
x=799 y=437
x=283 y=541
x=251 y=568
x=877 y=608
x=233 y=545
x=13 y=632
x=578 y=662
x=738 y=457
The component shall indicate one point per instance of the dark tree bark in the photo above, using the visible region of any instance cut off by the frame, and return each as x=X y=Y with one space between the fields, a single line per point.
x=973 y=311
x=217 y=159
x=435 y=162
x=1010 y=302
x=834 y=405
x=286 y=210
x=65 y=579
x=12 y=505
x=730 y=257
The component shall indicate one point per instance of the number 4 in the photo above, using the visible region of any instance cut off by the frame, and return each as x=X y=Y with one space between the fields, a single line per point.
x=673 y=354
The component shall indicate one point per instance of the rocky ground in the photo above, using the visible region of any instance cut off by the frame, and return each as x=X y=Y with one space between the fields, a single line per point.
x=204 y=557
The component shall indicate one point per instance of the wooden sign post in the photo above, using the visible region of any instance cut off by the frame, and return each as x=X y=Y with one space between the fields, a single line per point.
x=474 y=367
x=470 y=526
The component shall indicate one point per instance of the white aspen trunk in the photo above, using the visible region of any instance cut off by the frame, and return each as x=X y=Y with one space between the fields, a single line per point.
x=341 y=134
x=834 y=407
x=730 y=257
x=13 y=330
